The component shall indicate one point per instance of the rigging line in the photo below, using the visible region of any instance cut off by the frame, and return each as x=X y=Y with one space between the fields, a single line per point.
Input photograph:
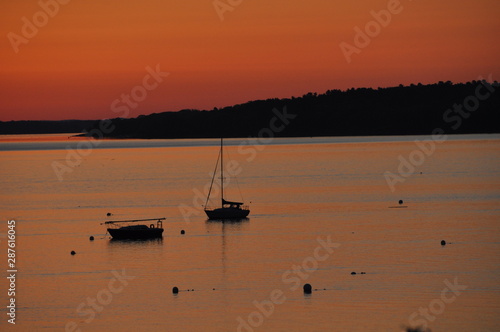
x=235 y=177
x=222 y=171
x=213 y=177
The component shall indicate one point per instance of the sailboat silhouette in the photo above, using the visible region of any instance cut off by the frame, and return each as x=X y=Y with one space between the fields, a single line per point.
x=228 y=209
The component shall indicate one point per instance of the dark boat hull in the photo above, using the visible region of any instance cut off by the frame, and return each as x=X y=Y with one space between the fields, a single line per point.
x=227 y=213
x=149 y=233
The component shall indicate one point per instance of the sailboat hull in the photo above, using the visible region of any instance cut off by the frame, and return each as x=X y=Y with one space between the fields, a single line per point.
x=147 y=233
x=227 y=213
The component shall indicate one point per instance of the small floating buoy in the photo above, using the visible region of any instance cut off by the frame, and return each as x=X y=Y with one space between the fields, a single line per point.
x=307 y=289
x=443 y=242
x=400 y=201
x=183 y=232
x=73 y=252
x=353 y=273
x=175 y=290
x=108 y=214
x=363 y=272
x=91 y=238
x=213 y=288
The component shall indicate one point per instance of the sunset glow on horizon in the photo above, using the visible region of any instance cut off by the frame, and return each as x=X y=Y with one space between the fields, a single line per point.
x=88 y=54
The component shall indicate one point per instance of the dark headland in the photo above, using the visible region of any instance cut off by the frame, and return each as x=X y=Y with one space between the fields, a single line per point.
x=465 y=108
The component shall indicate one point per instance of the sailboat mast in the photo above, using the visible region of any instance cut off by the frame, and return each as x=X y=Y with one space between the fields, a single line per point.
x=222 y=172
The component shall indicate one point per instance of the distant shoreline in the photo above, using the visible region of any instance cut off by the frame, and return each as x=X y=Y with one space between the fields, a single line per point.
x=292 y=137
x=465 y=108
x=58 y=137
x=63 y=143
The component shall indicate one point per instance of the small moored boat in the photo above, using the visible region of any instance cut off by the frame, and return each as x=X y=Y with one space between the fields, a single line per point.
x=227 y=209
x=120 y=229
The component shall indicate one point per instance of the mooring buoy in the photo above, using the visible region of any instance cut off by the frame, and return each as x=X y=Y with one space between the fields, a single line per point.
x=183 y=232
x=73 y=252
x=400 y=201
x=91 y=238
x=307 y=289
x=175 y=290
x=443 y=242
x=353 y=273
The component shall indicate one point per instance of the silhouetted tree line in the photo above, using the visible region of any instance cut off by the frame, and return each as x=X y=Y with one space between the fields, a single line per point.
x=403 y=110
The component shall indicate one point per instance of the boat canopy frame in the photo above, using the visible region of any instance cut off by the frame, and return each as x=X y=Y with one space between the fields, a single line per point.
x=159 y=221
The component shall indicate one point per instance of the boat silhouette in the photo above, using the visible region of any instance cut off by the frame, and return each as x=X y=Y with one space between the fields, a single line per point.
x=227 y=209
x=121 y=229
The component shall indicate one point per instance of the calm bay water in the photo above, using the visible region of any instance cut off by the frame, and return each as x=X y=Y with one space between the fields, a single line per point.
x=301 y=190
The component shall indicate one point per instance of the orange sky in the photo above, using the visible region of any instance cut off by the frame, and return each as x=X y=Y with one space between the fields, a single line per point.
x=91 y=51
